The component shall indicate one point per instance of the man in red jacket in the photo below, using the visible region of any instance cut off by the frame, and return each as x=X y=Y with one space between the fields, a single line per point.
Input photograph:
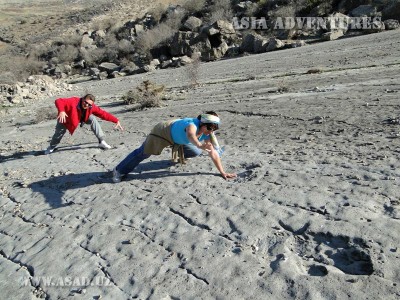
x=75 y=110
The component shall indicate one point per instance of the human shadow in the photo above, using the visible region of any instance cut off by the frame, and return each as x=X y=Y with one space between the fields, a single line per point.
x=54 y=188
x=76 y=147
x=19 y=155
x=25 y=154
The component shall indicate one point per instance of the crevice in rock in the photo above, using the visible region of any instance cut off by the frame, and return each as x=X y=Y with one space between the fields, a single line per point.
x=5 y=233
x=299 y=231
x=253 y=114
x=29 y=268
x=195 y=198
x=233 y=227
x=109 y=277
x=189 y=220
x=92 y=252
x=190 y=272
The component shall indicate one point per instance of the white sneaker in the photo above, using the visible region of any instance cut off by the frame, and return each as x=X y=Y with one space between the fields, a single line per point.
x=104 y=145
x=49 y=150
x=116 y=176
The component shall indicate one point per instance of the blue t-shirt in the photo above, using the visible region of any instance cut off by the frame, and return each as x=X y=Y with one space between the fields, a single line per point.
x=178 y=131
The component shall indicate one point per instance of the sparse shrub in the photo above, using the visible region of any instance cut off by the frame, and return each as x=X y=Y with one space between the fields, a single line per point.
x=70 y=39
x=7 y=78
x=147 y=40
x=17 y=67
x=94 y=56
x=284 y=11
x=220 y=10
x=111 y=47
x=158 y=12
x=45 y=114
x=125 y=47
x=159 y=34
x=67 y=53
x=193 y=6
x=103 y=24
x=147 y=94
x=193 y=70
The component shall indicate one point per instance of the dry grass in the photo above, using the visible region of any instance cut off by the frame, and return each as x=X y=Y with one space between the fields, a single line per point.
x=45 y=114
x=193 y=70
x=151 y=38
x=147 y=94
x=220 y=10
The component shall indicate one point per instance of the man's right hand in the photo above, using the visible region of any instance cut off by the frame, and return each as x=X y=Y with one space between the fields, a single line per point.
x=61 y=117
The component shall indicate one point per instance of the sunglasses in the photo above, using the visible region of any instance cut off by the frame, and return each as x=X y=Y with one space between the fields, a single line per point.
x=88 y=104
x=212 y=127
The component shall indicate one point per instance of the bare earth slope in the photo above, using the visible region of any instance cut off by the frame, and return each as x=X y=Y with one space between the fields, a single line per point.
x=314 y=213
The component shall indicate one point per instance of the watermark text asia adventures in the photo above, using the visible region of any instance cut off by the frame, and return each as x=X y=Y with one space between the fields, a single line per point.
x=287 y=23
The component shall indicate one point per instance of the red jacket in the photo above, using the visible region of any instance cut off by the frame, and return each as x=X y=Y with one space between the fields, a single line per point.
x=72 y=108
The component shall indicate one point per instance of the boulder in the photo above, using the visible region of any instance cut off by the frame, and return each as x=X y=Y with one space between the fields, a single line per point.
x=87 y=42
x=98 y=35
x=260 y=45
x=67 y=69
x=391 y=24
x=192 y=24
x=274 y=44
x=364 y=11
x=94 y=72
x=149 y=68
x=16 y=99
x=166 y=64
x=298 y=43
x=163 y=57
x=116 y=74
x=248 y=42
x=222 y=27
x=180 y=43
x=233 y=51
x=203 y=45
x=185 y=60
x=215 y=53
x=377 y=26
x=102 y=75
x=332 y=35
x=80 y=64
x=155 y=63
x=108 y=67
x=138 y=29
x=131 y=68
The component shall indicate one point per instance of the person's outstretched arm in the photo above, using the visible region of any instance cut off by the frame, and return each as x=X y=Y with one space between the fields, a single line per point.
x=208 y=147
x=218 y=164
x=102 y=114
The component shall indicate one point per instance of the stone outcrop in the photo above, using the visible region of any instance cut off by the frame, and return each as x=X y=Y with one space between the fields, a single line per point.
x=36 y=86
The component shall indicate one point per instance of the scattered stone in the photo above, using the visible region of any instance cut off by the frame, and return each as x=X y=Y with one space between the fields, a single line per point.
x=364 y=11
x=108 y=67
x=192 y=24
x=391 y=24
x=332 y=35
x=274 y=44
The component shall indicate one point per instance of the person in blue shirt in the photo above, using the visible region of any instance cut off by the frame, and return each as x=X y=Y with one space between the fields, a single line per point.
x=188 y=137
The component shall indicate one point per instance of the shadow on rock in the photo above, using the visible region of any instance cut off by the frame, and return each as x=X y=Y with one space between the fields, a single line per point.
x=54 y=188
x=19 y=155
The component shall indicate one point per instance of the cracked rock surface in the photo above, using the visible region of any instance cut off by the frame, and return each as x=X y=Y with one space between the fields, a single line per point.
x=313 y=214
